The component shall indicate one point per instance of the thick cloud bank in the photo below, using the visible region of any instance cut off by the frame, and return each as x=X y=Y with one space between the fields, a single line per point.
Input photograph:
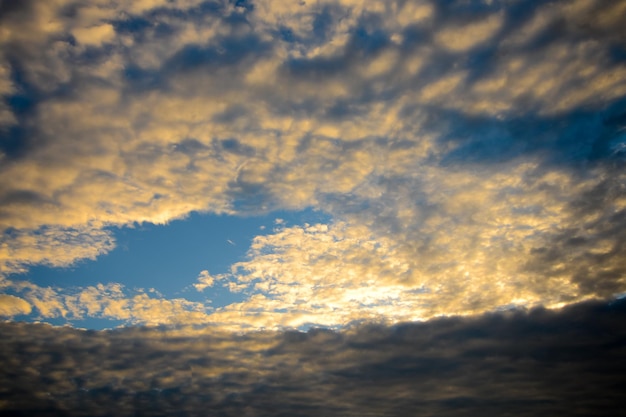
x=570 y=362
x=469 y=153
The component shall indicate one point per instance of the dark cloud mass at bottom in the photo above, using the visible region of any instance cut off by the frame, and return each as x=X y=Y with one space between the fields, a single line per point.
x=539 y=362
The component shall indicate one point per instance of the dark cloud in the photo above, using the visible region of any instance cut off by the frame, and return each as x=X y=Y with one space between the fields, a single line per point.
x=23 y=197
x=591 y=247
x=517 y=363
x=189 y=146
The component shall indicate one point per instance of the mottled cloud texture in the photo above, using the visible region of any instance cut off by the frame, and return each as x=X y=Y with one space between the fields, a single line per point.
x=572 y=363
x=469 y=154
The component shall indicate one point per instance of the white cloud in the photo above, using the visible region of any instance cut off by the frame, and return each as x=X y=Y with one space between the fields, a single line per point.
x=205 y=280
x=110 y=301
x=460 y=37
x=94 y=36
x=13 y=306
x=53 y=246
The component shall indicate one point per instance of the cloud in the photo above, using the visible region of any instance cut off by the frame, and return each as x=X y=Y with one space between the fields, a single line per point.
x=53 y=246
x=205 y=280
x=455 y=146
x=94 y=36
x=13 y=306
x=535 y=362
x=111 y=301
x=465 y=36
x=333 y=275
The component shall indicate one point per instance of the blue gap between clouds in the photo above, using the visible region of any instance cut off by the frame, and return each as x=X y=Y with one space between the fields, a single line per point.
x=169 y=258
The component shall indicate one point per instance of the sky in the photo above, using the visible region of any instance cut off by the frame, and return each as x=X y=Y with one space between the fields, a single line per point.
x=301 y=177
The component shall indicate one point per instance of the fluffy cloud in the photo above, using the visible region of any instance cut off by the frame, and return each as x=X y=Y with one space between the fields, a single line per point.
x=111 y=301
x=205 y=280
x=13 y=306
x=469 y=153
x=53 y=246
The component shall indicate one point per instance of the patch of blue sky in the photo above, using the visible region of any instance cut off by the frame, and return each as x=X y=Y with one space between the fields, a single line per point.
x=169 y=257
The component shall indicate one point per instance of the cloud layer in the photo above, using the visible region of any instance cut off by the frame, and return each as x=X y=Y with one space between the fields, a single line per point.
x=533 y=363
x=470 y=154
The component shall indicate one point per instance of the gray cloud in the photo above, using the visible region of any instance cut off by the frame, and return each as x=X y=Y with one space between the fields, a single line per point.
x=522 y=363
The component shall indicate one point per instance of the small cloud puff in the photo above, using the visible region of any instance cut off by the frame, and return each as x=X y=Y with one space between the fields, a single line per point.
x=13 y=306
x=205 y=280
x=94 y=36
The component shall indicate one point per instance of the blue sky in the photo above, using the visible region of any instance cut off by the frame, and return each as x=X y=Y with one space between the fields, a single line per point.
x=168 y=258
